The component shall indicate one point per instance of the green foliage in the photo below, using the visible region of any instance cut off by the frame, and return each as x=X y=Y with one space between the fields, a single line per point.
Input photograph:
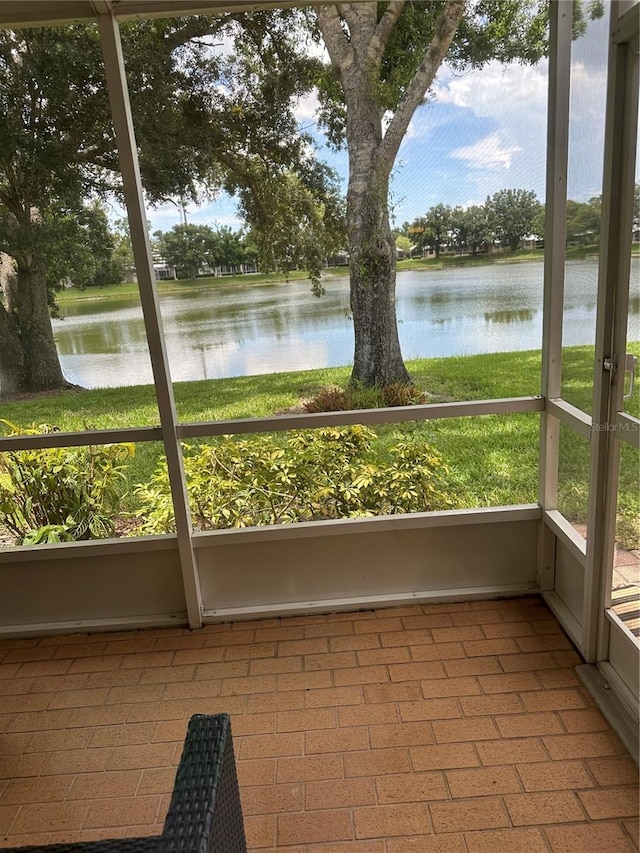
x=403 y=244
x=512 y=214
x=79 y=248
x=190 y=247
x=436 y=224
x=583 y=222
x=506 y=217
x=205 y=120
x=296 y=220
x=311 y=475
x=61 y=494
x=402 y=394
x=187 y=248
x=503 y=30
x=332 y=398
x=470 y=228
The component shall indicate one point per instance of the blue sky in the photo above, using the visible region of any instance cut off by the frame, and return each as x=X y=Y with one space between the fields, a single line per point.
x=479 y=132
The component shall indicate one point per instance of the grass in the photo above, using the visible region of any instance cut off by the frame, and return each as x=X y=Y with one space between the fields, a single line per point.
x=491 y=460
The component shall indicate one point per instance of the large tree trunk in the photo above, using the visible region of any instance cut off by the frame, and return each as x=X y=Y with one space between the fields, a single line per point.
x=377 y=357
x=357 y=60
x=372 y=268
x=28 y=357
x=11 y=357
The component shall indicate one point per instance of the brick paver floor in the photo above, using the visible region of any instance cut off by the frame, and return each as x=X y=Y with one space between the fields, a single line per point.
x=449 y=727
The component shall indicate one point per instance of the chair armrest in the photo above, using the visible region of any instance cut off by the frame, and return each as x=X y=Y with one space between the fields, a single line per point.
x=205 y=814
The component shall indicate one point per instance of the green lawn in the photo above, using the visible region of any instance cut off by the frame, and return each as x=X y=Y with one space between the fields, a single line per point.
x=490 y=460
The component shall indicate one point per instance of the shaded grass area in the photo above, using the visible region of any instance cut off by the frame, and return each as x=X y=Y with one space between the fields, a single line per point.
x=490 y=460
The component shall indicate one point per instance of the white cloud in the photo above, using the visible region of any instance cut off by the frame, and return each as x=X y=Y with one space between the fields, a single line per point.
x=496 y=91
x=307 y=107
x=487 y=153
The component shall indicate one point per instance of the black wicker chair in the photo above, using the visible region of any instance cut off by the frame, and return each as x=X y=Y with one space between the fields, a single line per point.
x=204 y=815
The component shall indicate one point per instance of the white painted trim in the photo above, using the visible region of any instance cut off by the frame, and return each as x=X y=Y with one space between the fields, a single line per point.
x=626 y=697
x=611 y=330
x=372 y=602
x=278 y=423
x=559 y=83
x=615 y=701
x=555 y=237
x=572 y=417
x=124 y=623
x=79 y=439
x=86 y=550
x=613 y=617
x=628 y=429
x=564 y=616
x=397 y=414
x=115 y=75
x=567 y=534
x=18 y=14
x=626 y=29
x=378 y=524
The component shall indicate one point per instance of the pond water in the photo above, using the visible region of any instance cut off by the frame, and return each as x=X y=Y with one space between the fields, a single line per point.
x=239 y=330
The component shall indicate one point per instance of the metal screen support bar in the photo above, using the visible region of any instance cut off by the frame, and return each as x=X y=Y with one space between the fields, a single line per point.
x=132 y=185
x=554 y=257
x=611 y=327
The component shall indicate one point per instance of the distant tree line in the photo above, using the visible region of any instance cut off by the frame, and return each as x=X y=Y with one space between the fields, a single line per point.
x=504 y=220
x=90 y=251
x=190 y=248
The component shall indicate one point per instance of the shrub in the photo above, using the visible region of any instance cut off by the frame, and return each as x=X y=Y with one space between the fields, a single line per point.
x=61 y=494
x=330 y=399
x=402 y=394
x=358 y=396
x=311 y=475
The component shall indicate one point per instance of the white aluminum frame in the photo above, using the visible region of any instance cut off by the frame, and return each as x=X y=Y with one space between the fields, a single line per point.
x=552 y=525
x=132 y=186
x=611 y=332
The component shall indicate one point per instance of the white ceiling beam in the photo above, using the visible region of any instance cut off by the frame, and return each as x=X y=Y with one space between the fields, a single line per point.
x=17 y=14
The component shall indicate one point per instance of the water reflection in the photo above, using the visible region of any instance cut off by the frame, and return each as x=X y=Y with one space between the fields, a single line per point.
x=226 y=330
x=517 y=315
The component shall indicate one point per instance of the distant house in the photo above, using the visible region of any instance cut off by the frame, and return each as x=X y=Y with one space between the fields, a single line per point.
x=339 y=259
x=164 y=271
x=531 y=242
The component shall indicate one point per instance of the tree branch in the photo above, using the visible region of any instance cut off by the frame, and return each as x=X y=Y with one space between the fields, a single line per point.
x=194 y=28
x=364 y=17
x=340 y=51
x=244 y=174
x=383 y=31
x=421 y=81
x=10 y=202
x=350 y=15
